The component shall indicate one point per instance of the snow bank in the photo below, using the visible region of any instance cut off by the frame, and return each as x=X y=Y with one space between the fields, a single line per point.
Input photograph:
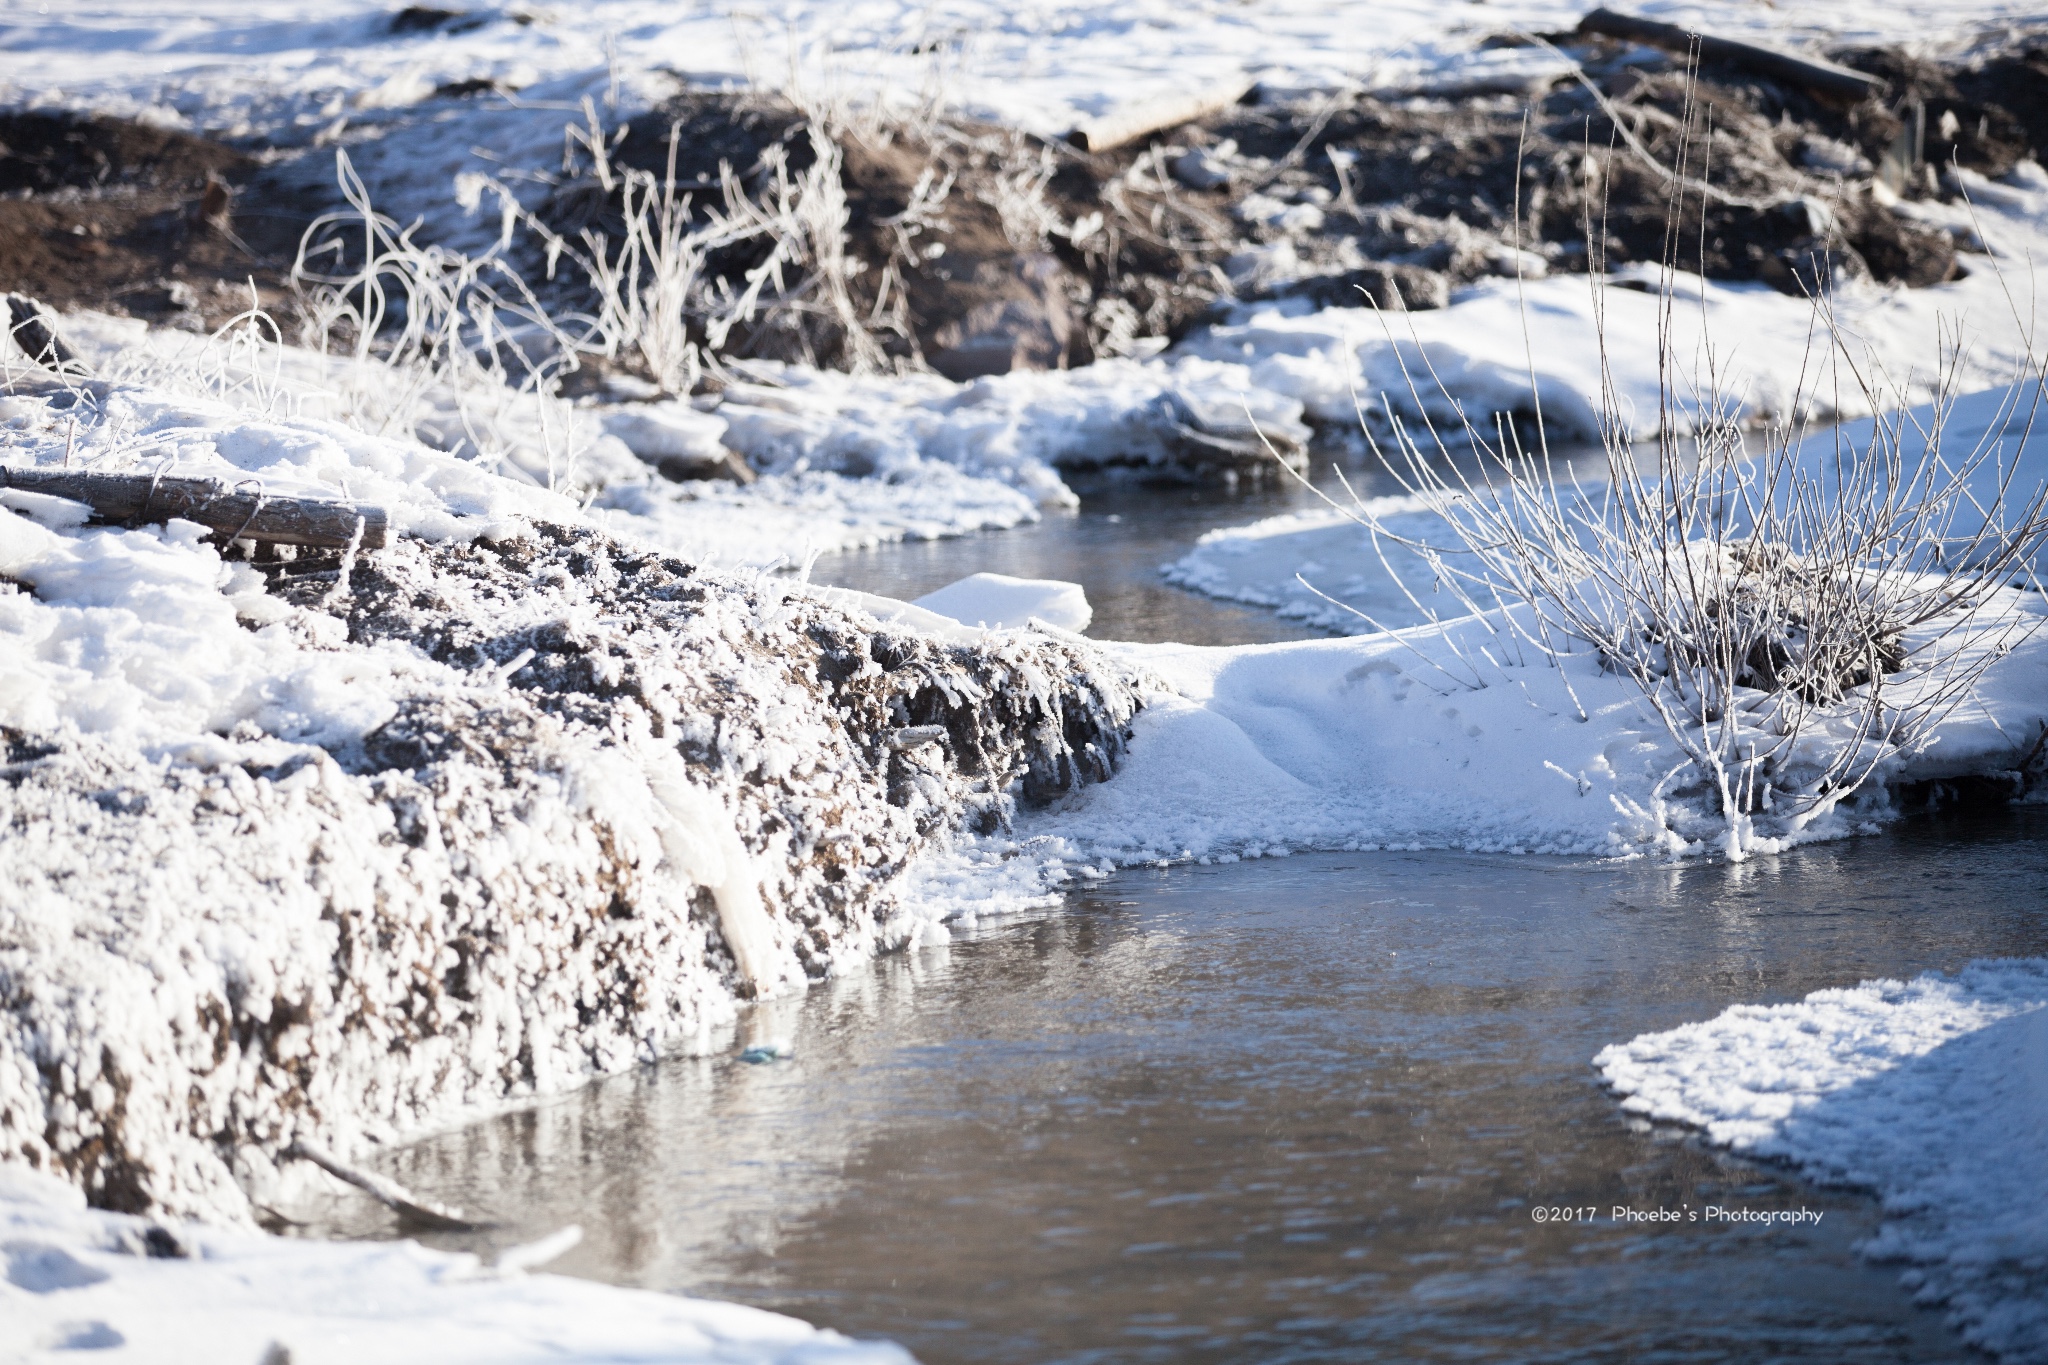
x=305 y=423
x=300 y=854
x=1321 y=566
x=1455 y=738
x=136 y=1290
x=1932 y=1092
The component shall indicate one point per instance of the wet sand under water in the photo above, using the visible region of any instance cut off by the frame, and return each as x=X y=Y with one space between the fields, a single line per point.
x=1291 y=1110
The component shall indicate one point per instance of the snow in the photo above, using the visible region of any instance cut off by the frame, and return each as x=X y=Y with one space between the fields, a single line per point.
x=131 y=1289
x=207 y=733
x=1444 y=739
x=995 y=600
x=1041 y=64
x=1265 y=563
x=1931 y=1092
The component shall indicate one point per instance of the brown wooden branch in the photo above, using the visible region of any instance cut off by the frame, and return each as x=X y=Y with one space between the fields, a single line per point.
x=238 y=512
x=32 y=329
x=1810 y=72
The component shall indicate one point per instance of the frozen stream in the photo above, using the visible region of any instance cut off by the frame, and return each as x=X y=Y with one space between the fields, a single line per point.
x=1291 y=1110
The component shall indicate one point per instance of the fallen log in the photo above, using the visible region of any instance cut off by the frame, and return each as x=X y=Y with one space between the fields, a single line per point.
x=238 y=512
x=1812 y=73
x=1146 y=117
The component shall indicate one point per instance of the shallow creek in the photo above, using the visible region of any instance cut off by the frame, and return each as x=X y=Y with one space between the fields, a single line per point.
x=1298 y=1109
x=1114 y=547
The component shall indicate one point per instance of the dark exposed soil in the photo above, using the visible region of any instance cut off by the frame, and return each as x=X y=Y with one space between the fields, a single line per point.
x=1147 y=272
x=119 y=216
x=1401 y=200
x=1445 y=187
x=1999 y=107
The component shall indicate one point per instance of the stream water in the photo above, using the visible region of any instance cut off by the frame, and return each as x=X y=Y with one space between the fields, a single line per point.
x=1292 y=1110
x=1113 y=546
x=1299 y=1109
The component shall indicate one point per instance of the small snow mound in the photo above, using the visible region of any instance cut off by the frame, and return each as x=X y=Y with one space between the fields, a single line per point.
x=997 y=600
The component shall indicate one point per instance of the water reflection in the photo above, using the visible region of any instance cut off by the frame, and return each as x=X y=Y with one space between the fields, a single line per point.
x=1287 y=1111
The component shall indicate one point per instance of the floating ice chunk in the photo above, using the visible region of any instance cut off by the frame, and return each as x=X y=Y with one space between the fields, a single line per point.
x=995 y=600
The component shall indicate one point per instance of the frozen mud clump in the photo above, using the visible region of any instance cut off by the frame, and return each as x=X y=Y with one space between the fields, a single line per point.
x=612 y=796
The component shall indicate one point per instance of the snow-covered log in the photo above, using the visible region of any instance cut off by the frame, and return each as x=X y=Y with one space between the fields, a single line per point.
x=1128 y=123
x=239 y=512
x=1811 y=72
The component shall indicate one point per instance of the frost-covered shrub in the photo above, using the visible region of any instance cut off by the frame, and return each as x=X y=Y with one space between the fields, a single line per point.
x=1798 y=619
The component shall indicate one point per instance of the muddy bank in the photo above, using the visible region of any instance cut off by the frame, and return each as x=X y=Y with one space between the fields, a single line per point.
x=977 y=249
x=635 y=795
x=926 y=242
x=985 y=250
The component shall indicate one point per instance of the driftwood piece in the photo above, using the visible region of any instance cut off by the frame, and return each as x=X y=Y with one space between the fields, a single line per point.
x=1134 y=121
x=412 y=1208
x=29 y=325
x=238 y=512
x=1810 y=72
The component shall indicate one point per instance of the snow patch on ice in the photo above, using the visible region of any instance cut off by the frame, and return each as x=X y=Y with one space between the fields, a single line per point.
x=995 y=600
x=1932 y=1092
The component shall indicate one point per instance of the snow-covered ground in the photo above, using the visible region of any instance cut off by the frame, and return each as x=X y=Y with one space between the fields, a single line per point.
x=1040 y=64
x=129 y=1289
x=856 y=461
x=1931 y=1092
x=859 y=461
